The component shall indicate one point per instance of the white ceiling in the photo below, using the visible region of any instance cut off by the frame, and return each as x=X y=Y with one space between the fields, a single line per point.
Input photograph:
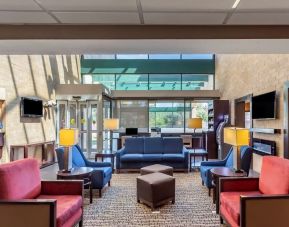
x=144 y=12
x=220 y=46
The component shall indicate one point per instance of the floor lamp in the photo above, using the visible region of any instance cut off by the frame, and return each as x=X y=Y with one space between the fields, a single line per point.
x=195 y=123
x=68 y=138
x=236 y=137
x=110 y=124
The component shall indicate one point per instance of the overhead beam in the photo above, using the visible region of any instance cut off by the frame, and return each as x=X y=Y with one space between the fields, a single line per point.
x=20 y=32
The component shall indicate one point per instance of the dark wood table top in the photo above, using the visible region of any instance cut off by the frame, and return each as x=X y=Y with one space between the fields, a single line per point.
x=226 y=172
x=77 y=172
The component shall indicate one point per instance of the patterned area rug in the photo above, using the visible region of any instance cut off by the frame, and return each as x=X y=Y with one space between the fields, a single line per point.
x=118 y=205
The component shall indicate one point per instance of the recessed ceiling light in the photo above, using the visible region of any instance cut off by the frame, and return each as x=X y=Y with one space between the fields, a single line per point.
x=236 y=3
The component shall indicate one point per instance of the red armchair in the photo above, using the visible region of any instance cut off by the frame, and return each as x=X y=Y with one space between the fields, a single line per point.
x=27 y=201
x=257 y=202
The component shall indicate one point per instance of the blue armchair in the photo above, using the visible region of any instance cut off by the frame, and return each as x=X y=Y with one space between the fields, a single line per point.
x=102 y=170
x=246 y=156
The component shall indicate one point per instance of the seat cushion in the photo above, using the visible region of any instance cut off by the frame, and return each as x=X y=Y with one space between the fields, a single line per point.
x=173 y=145
x=77 y=159
x=20 y=180
x=132 y=158
x=152 y=157
x=66 y=206
x=153 y=145
x=173 y=157
x=134 y=145
x=274 y=177
x=230 y=201
x=106 y=170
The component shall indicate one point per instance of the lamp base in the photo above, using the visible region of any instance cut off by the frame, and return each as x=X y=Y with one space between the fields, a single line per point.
x=66 y=171
x=238 y=171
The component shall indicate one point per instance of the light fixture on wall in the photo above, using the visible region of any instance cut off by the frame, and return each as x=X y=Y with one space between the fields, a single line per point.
x=236 y=137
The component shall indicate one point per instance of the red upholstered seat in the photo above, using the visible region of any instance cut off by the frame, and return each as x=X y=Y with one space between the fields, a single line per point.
x=231 y=202
x=67 y=206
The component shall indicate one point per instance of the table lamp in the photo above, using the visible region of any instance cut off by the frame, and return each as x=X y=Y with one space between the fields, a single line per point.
x=67 y=138
x=110 y=124
x=236 y=137
x=195 y=123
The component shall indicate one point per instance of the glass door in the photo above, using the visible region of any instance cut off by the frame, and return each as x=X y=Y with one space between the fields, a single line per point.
x=81 y=115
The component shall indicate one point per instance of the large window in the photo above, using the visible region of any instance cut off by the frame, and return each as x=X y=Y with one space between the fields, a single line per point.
x=133 y=114
x=197 y=109
x=167 y=115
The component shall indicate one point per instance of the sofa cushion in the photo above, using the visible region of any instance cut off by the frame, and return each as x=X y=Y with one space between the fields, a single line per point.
x=173 y=145
x=66 y=206
x=132 y=158
x=173 y=157
x=20 y=180
x=230 y=201
x=77 y=159
x=152 y=157
x=274 y=177
x=134 y=145
x=153 y=145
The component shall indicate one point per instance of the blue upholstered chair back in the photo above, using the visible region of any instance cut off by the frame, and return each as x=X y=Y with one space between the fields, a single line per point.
x=78 y=158
x=246 y=157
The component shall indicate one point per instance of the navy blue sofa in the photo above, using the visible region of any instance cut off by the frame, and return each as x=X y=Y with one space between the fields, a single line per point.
x=102 y=170
x=143 y=151
x=246 y=157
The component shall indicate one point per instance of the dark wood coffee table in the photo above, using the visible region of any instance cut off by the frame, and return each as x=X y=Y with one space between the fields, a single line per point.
x=218 y=172
x=80 y=173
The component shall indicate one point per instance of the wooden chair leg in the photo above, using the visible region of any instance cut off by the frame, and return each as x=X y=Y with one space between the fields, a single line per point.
x=80 y=224
x=202 y=182
x=221 y=220
x=99 y=193
x=210 y=192
x=109 y=184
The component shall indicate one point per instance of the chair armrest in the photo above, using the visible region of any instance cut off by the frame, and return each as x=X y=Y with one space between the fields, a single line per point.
x=213 y=163
x=62 y=187
x=235 y=184
x=186 y=155
x=265 y=210
x=98 y=164
x=29 y=212
x=118 y=154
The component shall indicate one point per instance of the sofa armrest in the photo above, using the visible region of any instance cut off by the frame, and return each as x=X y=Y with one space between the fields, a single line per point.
x=28 y=212
x=118 y=154
x=186 y=155
x=213 y=163
x=98 y=164
x=235 y=184
x=62 y=187
x=265 y=210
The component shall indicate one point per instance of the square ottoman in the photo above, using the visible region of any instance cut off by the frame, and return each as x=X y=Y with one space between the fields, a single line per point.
x=157 y=168
x=155 y=189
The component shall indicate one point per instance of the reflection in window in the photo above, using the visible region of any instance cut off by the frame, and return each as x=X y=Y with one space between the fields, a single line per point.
x=131 y=56
x=164 y=56
x=167 y=115
x=197 y=109
x=165 y=82
x=197 y=82
x=131 y=82
x=197 y=56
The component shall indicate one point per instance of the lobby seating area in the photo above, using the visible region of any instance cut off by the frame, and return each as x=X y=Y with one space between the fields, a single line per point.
x=144 y=113
x=141 y=152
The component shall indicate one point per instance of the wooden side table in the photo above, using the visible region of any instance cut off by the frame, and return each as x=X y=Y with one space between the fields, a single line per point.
x=218 y=172
x=193 y=153
x=80 y=173
x=104 y=155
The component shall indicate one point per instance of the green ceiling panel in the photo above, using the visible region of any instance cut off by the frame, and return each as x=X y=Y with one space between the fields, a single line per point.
x=150 y=66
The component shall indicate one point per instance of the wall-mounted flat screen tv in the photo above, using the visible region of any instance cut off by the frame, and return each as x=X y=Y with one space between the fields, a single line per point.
x=131 y=131
x=30 y=107
x=264 y=106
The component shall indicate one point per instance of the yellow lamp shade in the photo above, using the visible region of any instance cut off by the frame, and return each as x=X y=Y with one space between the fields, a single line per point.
x=68 y=137
x=111 y=124
x=236 y=136
x=195 y=122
